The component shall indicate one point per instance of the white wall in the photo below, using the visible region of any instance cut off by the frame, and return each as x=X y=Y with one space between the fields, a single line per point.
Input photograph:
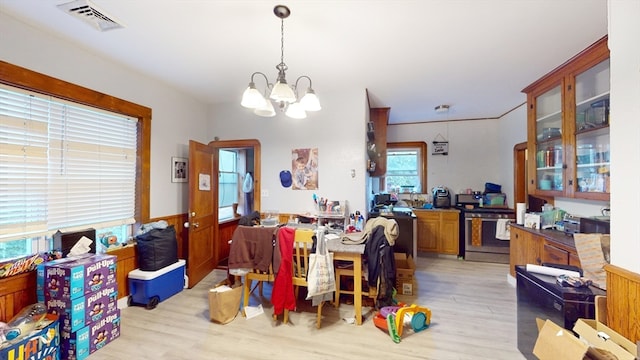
x=338 y=131
x=480 y=151
x=624 y=44
x=513 y=130
x=28 y=47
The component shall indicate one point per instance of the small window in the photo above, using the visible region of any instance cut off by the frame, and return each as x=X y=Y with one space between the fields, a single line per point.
x=406 y=167
x=228 y=184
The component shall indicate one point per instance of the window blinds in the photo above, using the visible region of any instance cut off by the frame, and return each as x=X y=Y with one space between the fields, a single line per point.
x=63 y=166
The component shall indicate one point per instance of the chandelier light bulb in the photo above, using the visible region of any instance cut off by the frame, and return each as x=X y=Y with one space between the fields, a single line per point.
x=281 y=93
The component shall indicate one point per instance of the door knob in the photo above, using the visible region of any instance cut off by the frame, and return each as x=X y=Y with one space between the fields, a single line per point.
x=196 y=224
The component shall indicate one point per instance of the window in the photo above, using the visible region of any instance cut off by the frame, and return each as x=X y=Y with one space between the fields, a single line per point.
x=228 y=192
x=63 y=179
x=64 y=166
x=406 y=167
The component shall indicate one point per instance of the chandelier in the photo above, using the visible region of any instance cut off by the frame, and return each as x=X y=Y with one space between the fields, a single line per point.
x=285 y=96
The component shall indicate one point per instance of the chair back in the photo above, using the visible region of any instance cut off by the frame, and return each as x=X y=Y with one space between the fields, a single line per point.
x=302 y=245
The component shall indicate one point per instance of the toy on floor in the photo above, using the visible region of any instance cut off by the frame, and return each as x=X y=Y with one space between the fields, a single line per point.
x=24 y=322
x=391 y=319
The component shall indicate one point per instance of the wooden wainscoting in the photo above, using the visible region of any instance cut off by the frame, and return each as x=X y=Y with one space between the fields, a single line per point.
x=623 y=299
x=16 y=292
x=126 y=260
x=225 y=233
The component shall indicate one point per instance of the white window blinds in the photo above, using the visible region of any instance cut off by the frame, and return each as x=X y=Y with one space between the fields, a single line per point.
x=84 y=174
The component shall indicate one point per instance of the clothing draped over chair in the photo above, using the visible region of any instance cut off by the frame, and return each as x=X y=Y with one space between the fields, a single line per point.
x=381 y=265
x=252 y=248
x=282 y=295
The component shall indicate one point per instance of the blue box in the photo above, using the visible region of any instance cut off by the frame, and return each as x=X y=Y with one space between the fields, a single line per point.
x=40 y=345
x=84 y=310
x=83 y=275
x=79 y=344
x=151 y=287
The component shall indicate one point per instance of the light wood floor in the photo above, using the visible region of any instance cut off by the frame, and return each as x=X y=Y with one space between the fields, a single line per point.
x=473 y=317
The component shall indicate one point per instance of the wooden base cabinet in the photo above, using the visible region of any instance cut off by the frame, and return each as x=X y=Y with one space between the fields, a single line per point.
x=438 y=231
x=525 y=248
x=530 y=246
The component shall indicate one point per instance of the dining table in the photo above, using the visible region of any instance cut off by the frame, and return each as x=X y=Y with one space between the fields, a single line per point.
x=350 y=253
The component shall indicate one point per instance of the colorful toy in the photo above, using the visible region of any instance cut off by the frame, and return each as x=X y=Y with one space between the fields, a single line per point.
x=24 y=322
x=391 y=319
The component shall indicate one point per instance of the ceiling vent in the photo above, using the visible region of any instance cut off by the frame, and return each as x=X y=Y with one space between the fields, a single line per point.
x=88 y=12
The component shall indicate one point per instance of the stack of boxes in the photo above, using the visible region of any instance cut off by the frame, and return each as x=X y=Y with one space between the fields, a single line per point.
x=83 y=292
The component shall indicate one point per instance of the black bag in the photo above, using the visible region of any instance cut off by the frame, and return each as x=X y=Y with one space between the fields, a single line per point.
x=157 y=248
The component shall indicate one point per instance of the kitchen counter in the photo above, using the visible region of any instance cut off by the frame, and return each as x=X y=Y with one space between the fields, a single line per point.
x=558 y=238
x=416 y=210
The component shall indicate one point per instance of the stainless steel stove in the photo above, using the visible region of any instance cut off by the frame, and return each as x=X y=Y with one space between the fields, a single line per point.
x=480 y=237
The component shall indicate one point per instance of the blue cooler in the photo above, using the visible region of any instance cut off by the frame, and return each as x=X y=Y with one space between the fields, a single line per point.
x=150 y=287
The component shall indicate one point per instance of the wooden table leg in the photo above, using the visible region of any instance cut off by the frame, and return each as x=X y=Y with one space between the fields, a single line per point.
x=357 y=288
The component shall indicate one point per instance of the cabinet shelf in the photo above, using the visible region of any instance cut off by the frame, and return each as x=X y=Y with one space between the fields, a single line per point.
x=572 y=100
x=556 y=115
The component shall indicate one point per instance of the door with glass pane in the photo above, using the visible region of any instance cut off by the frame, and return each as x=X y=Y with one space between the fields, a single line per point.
x=592 y=171
x=549 y=160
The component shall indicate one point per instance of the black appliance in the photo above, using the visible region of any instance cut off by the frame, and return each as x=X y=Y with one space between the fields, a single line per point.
x=382 y=200
x=488 y=247
x=539 y=296
x=441 y=197
x=65 y=241
x=406 y=219
x=591 y=225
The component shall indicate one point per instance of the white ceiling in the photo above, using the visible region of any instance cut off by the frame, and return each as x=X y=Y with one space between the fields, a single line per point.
x=411 y=55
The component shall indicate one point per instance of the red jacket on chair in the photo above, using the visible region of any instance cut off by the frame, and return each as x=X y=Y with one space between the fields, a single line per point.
x=282 y=296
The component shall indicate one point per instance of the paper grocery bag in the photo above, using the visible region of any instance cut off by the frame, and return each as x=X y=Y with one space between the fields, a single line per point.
x=224 y=303
x=593 y=251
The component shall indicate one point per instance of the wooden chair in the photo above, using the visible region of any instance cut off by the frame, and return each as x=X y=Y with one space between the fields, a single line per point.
x=371 y=292
x=259 y=276
x=303 y=242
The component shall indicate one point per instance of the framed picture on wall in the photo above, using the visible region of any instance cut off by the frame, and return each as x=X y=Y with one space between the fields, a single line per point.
x=179 y=169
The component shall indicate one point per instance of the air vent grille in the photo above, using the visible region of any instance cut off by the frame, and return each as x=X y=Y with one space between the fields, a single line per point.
x=88 y=12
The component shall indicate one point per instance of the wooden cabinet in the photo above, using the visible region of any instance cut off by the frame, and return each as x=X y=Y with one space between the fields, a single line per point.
x=568 y=128
x=525 y=248
x=529 y=246
x=438 y=231
x=377 y=141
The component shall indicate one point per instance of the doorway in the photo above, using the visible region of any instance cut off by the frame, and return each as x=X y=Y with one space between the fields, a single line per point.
x=203 y=243
x=520 y=173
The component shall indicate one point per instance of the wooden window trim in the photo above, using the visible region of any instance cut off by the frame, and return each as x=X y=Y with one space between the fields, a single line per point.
x=29 y=80
x=423 y=151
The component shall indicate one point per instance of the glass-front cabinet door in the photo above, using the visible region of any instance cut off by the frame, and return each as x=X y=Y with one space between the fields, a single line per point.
x=592 y=169
x=549 y=129
x=568 y=126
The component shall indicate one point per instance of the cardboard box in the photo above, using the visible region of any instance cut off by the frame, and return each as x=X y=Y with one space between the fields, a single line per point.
x=91 y=338
x=43 y=344
x=70 y=280
x=84 y=310
x=555 y=342
x=405 y=274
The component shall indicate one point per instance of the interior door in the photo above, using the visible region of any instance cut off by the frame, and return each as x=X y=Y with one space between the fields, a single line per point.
x=202 y=254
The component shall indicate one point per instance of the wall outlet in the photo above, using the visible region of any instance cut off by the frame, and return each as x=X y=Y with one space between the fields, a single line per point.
x=264 y=193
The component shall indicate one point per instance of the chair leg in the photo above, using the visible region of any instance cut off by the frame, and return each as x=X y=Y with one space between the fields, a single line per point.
x=319 y=316
x=247 y=289
x=336 y=300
